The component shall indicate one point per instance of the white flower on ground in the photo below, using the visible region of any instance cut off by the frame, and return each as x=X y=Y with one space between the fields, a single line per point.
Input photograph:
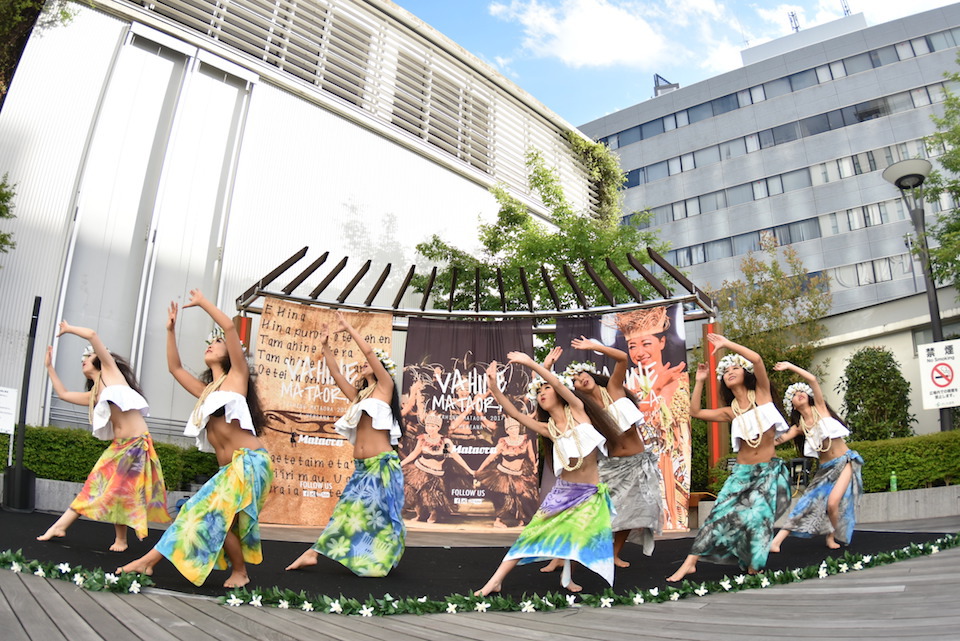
x=654 y=591
x=451 y=608
x=764 y=582
x=740 y=579
x=483 y=606
x=701 y=590
x=336 y=608
x=234 y=601
x=78 y=579
x=422 y=599
x=284 y=604
x=858 y=565
x=257 y=601
x=934 y=549
x=527 y=606
x=725 y=584
x=674 y=596
x=306 y=606
x=64 y=568
x=366 y=611
x=606 y=602
x=110 y=578
x=867 y=558
x=16 y=567
x=843 y=568
x=637 y=598
x=135 y=587
x=571 y=599
x=822 y=572
x=40 y=572
x=796 y=573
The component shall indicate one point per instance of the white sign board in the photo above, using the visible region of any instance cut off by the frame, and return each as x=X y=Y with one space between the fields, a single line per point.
x=939 y=372
x=8 y=409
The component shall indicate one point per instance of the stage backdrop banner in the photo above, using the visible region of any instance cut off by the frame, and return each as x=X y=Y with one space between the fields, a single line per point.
x=463 y=466
x=655 y=342
x=301 y=402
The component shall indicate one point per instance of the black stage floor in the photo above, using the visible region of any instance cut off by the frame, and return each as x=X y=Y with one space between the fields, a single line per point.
x=423 y=571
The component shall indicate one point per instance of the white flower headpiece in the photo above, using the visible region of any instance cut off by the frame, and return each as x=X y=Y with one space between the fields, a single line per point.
x=87 y=351
x=534 y=387
x=732 y=359
x=386 y=361
x=215 y=335
x=575 y=368
x=793 y=389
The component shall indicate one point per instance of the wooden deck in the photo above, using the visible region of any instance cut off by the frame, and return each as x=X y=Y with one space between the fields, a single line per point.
x=914 y=599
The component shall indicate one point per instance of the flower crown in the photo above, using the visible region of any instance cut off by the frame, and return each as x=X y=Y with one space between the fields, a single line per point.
x=87 y=351
x=730 y=360
x=793 y=389
x=534 y=387
x=386 y=361
x=215 y=335
x=575 y=368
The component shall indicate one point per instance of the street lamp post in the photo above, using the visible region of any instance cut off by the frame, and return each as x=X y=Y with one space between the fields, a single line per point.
x=907 y=176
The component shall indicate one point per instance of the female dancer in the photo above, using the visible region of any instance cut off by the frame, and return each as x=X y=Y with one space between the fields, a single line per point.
x=126 y=485
x=220 y=523
x=573 y=522
x=366 y=531
x=423 y=470
x=513 y=478
x=829 y=506
x=740 y=525
x=631 y=473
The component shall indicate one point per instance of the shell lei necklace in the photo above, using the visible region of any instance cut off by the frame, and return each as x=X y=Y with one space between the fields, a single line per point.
x=94 y=391
x=207 y=391
x=556 y=434
x=812 y=434
x=737 y=412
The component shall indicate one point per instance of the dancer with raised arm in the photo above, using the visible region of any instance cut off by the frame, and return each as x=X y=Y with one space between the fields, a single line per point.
x=739 y=528
x=512 y=480
x=423 y=470
x=829 y=506
x=220 y=523
x=573 y=522
x=126 y=486
x=366 y=532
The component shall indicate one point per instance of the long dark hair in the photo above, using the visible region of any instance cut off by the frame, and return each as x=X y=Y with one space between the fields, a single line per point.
x=125 y=369
x=253 y=399
x=394 y=399
x=795 y=420
x=604 y=381
x=599 y=417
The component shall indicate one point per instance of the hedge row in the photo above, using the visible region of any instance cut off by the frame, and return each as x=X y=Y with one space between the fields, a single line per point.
x=919 y=461
x=69 y=454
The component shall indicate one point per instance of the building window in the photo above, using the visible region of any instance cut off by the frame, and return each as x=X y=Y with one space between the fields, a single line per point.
x=651 y=129
x=718 y=249
x=746 y=243
x=757 y=94
x=724 y=104
x=803 y=79
x=733 y=148
x=708 y=156
x=699 y=112
x=629 y=136
x=739 y=194
x=777 y=87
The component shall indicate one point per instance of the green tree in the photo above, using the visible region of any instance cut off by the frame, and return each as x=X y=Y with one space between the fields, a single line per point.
x=17 y=19
x=776 y=308
x=7 y=192
x=876 y=397
x=517 y=240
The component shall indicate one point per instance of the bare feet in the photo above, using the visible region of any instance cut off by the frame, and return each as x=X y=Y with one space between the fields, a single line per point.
x=306 y=559
x=620 y=563
x=573 y=587
x=119 y=546
x=499 y=523
x=137 y=566
x=774 y=547
x=553 y=566
x=238 y=579
x=54 y=531
x=490 y=588
x=432 y=518
x=684 y=570
x=832 y=543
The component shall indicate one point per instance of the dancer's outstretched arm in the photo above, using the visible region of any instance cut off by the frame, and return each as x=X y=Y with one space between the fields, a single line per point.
x=239 y=373
x=109 y=371
x=508 y=407
x=77 y=398
x=384 y=390
x=562 y=390
x=759 y=370
x=187 y=380
x=818 y=400
x=696 y=399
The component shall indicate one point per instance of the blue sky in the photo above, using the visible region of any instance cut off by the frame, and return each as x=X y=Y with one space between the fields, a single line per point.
x=587 y=58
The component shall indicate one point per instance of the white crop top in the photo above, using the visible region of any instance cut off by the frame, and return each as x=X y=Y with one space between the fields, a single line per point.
x=827 y=427
x=565 y=447
x=625 y=412
x=126 y=398
x=379 y=412
x=234 y=409
x=748 y=425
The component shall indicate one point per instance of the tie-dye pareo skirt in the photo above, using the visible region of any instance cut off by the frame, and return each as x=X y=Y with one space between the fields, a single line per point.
x=634 y=483
x=573 y=523
x=739 y=528
x=233 y=498
x=125 y=486
x=809 y=517
x=366 y=532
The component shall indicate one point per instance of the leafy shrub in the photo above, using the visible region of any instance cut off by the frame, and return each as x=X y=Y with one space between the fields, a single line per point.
x=876 y=397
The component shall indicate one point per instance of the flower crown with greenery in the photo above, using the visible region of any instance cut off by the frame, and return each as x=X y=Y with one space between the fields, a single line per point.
x=534 y=387
x=793 y=389
x=729 y=361
x=576 y=367
x=386 y=361
x=88 y=351
x=215 y=335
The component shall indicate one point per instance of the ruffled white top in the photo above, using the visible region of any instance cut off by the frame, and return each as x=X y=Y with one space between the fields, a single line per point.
x=126 y=398
x=625 y=412
x=379 y=412
x=234 y=409
x=565 y=447
x=827 y=427
x=747 y=425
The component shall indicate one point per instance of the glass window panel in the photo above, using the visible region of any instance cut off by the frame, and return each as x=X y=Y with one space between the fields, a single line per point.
x=679 y=211
x=802 y=230
x=682 y=119
x=865 y=275
x=796 y=179
x=920 y=46
x=858 y=63
x=724 y=104
x=766 y=139
x=697 y=255
x=782 y=234
x=936 y=93
x=819 y=174
x=871 y=215
x=941 y=41
x=871 y=109
x=686 y=162
x=920 y=97
x=888 y=156
x=739 y=194
x=733 y=148
x=743 y=98
x=871 y=161
x=814 y=125
x=673 y=165
x=884 y=56
x=837 y=70
x=708 y=156
x=904 y=50
x=700 y=112
x=823 y=74
x=613 y=142
x=753 y=142
x=757 y=94
x=669 y=122
x=681 y=257
x=662 y=214
x=651 y=129
x=657 y=171
x=831 y=223
x=760 y=189
x=746 y=243
x=774 y=186
x=718 y=249
x=803 y=79
x=777 y=87
x=634 y=178
x=786 y=133
x=693 y=207
x=855 y=218
x=899 y=102
x=712 y=202
x=629 y=136
x=835 y=118
x=857 y=164
x=845 y=165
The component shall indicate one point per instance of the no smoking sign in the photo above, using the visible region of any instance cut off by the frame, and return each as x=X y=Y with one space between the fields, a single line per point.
x=938 y=380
